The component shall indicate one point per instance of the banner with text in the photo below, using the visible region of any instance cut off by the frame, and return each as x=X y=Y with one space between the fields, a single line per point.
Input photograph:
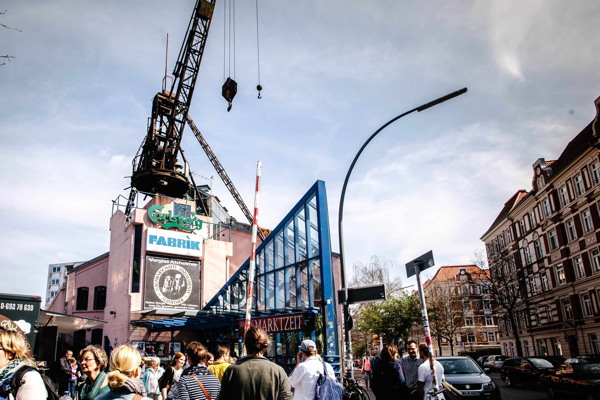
x=278 y=323
x=173 y=242
x=172 y=283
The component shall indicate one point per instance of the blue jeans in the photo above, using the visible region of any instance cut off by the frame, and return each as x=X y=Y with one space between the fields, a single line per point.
x=72 y=388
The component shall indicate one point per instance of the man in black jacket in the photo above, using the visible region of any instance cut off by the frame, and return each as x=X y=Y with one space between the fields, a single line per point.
x=64 y=376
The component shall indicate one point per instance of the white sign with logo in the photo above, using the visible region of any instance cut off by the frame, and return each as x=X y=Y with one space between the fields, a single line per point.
x=172 y=242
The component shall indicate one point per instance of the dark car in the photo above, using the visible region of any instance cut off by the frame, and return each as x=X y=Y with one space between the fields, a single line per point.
x=465 y=375
x=574 y=380
x=526 y=370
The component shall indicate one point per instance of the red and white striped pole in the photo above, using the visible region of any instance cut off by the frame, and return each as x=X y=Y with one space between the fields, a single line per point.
x=252 y=266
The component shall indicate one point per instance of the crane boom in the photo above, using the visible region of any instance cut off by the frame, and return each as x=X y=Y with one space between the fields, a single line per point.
x=221 y=171
x=156 y=167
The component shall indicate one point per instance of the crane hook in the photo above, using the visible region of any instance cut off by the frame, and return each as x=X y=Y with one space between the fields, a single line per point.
x=228 y=91
x=259 y=88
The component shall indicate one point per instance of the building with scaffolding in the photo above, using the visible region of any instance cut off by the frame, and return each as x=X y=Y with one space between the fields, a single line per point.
x=172 y=275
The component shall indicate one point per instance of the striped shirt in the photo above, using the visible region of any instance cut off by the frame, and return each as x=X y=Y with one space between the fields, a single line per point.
x=188 y=386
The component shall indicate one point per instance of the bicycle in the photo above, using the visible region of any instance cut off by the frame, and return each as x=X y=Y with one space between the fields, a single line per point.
x=353 y=391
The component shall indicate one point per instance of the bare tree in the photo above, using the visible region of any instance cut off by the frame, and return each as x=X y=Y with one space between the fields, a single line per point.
x=7 y=57
x=503 y=280
x=446 y=312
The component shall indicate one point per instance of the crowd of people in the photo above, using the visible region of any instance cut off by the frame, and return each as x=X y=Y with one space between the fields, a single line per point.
x=196 y=375
x=392 y=376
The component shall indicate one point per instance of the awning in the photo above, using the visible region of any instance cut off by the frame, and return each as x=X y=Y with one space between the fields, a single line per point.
x=67 y=323
x=204 y=319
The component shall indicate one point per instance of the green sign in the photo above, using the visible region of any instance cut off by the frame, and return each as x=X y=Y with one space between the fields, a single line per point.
x=168 y=220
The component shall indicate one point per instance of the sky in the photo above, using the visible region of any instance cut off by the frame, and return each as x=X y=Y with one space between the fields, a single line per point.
x=77 y=95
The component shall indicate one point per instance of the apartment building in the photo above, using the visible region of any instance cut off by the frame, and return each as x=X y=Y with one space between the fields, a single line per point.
x=546 y=244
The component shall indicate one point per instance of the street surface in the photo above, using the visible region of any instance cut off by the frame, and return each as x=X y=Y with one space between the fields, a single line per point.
x=518 y=392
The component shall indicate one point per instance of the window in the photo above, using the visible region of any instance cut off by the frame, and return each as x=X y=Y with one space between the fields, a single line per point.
x=537 y=246
x=553 y=239
x=594 y=343
x=522 y=227
x=489 y=320
x=546 y=207
x=469 y=321
x=466 y=305
x=532 y=285
x=587 y=305
x=54 y=282
x=99 y=297
x=492 y=336
x=560 y=274
x=579 y=271
x=544 y=281
x=137 y=259
x=55 y=269
x=564 y=195
x=471 y=337
x=82 y=298
x=571 y=230
x=579 y=188
x=596 y=173
x=487 y=305
x=567 y=309
x=532 y=222
x=527 y=255
x=97 y=336
x=596 y=260
x=586 y=218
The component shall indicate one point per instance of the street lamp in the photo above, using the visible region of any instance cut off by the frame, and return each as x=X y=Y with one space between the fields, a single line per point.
x=346 y=312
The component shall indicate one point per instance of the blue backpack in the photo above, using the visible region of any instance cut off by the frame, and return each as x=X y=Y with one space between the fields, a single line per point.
x=328 y=388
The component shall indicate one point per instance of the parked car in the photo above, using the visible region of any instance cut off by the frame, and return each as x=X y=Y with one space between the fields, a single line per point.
x=465 y=375
x=526 y=370
x=574 y=380
x=481 y=360
x=495 y=362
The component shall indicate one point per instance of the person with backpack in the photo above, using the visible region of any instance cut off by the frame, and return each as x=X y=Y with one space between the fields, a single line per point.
x=15 y=355
x=388 y=382
x=309 y=368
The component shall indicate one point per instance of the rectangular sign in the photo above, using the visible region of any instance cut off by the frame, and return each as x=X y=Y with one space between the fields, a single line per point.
x=172 y=283
x=278 y=323
x=362 y=294
x=421 y=263
x=173 y=242
x=22 y=312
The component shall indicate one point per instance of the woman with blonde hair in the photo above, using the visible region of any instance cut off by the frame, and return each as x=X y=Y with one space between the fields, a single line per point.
x=93 y=364
x=151 y=378
x=14 y=354
x=124 y=376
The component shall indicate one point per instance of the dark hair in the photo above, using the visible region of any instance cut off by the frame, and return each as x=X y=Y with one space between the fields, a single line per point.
x=424 y=349
x=256 y=340
x=196 y=353
x=409 y=343
x=389 y=353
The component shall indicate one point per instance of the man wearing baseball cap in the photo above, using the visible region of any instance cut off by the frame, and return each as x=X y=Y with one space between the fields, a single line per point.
x=308 y=366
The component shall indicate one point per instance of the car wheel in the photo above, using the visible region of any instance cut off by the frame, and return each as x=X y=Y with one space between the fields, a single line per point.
x=508 y=381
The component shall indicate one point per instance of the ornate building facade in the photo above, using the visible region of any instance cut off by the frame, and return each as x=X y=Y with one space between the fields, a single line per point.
x=544 y=251
x=462 y=311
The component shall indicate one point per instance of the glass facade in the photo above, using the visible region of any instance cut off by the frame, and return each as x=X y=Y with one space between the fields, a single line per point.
x=293 y=275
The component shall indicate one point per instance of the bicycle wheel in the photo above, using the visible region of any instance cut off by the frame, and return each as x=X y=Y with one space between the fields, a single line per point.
x=362 y=393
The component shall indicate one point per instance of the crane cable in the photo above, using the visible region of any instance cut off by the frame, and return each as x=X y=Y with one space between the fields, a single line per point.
x=259 y=86
x=229 y=39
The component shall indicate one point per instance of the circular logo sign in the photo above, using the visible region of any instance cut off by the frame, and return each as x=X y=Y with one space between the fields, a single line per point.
x=172 y=284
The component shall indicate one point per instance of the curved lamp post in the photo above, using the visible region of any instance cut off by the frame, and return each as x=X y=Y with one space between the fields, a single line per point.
x=341 y=209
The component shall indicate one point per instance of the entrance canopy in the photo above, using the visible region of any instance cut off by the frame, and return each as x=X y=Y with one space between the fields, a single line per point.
x=67 y=323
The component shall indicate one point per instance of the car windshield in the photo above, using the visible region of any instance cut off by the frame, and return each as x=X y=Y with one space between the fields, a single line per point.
x=541 y=363
x=589 y=369
x=460 y=366
x=501 y=358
